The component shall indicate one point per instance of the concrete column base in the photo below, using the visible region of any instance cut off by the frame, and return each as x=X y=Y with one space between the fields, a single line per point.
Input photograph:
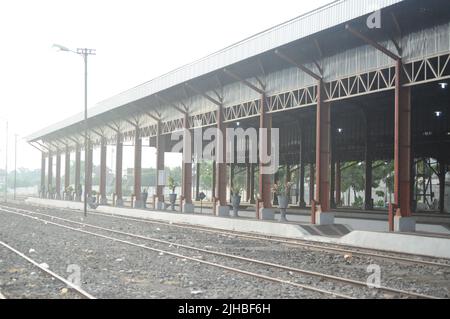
x=324 y=218
x=188 y=208
x=103 y=201
x=267 y=214
x=139 y=203
x=223 y=211
x=404 y=224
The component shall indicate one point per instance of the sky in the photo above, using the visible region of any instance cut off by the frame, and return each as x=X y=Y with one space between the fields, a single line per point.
x=136 y=41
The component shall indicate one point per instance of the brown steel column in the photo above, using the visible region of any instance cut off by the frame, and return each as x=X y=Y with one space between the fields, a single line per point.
x=58 y=175
x=338 y=184
x=77 y=173
x=402 y=146
x=368 y=201
x=301 y=173
x=67 y=169
x=89 y=169
x=265 y=121
x=322 y=196
x=311 y=183
x=232 y=167
x=221 y=168
x=119 y=153
x=301 y=182
x=137 y=168
x=43 y=188
x=213 y=187
x=332 y=185
x=102 y=188
x=247 y=181
x=368 y=184
x=252 y=184
x=187 y=170
x=442 y=173
x=50 y=174
x=197 y=181
x=160 y=152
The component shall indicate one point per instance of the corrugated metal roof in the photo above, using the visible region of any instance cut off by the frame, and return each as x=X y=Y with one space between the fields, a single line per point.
x=323 y=18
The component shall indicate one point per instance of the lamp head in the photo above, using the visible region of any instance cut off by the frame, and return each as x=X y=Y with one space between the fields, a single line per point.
x=60 y=47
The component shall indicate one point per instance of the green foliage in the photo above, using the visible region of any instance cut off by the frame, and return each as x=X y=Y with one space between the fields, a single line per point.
x=358 y=203
x=380 y=203
x=172 y=184
x=380 y=193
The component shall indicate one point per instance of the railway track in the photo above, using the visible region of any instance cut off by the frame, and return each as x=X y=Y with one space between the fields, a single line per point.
x=346 y=282
x=84 y=294
x=377 y=254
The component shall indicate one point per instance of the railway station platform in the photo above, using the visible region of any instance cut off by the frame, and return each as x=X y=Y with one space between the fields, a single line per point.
x=429 y=240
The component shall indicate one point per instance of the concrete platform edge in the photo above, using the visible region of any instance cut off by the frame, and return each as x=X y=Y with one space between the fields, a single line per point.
x=395 y=242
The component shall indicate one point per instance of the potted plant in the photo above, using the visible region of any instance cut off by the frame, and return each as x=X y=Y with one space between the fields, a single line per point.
x=144 y=196
x=236 y=199
x=282 y=191
x=172 y=196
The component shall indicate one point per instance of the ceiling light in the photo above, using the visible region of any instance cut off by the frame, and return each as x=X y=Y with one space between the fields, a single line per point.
x=438 y=113
x=443 y=85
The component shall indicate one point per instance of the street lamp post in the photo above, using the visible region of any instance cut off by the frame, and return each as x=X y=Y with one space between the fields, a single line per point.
x=84 y=53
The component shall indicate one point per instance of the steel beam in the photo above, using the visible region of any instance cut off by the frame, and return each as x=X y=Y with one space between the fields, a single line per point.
x=206 y=96
x=300 y=66
x=372 y=43
x=245 y=82
x=163 y=100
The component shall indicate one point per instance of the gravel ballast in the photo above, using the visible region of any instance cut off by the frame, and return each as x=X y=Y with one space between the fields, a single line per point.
x=169 y=277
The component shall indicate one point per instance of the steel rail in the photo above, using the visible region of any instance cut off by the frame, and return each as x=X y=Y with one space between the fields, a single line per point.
x=49 y=272
x=180 y=256
x=296 y=242
x=236 y=257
